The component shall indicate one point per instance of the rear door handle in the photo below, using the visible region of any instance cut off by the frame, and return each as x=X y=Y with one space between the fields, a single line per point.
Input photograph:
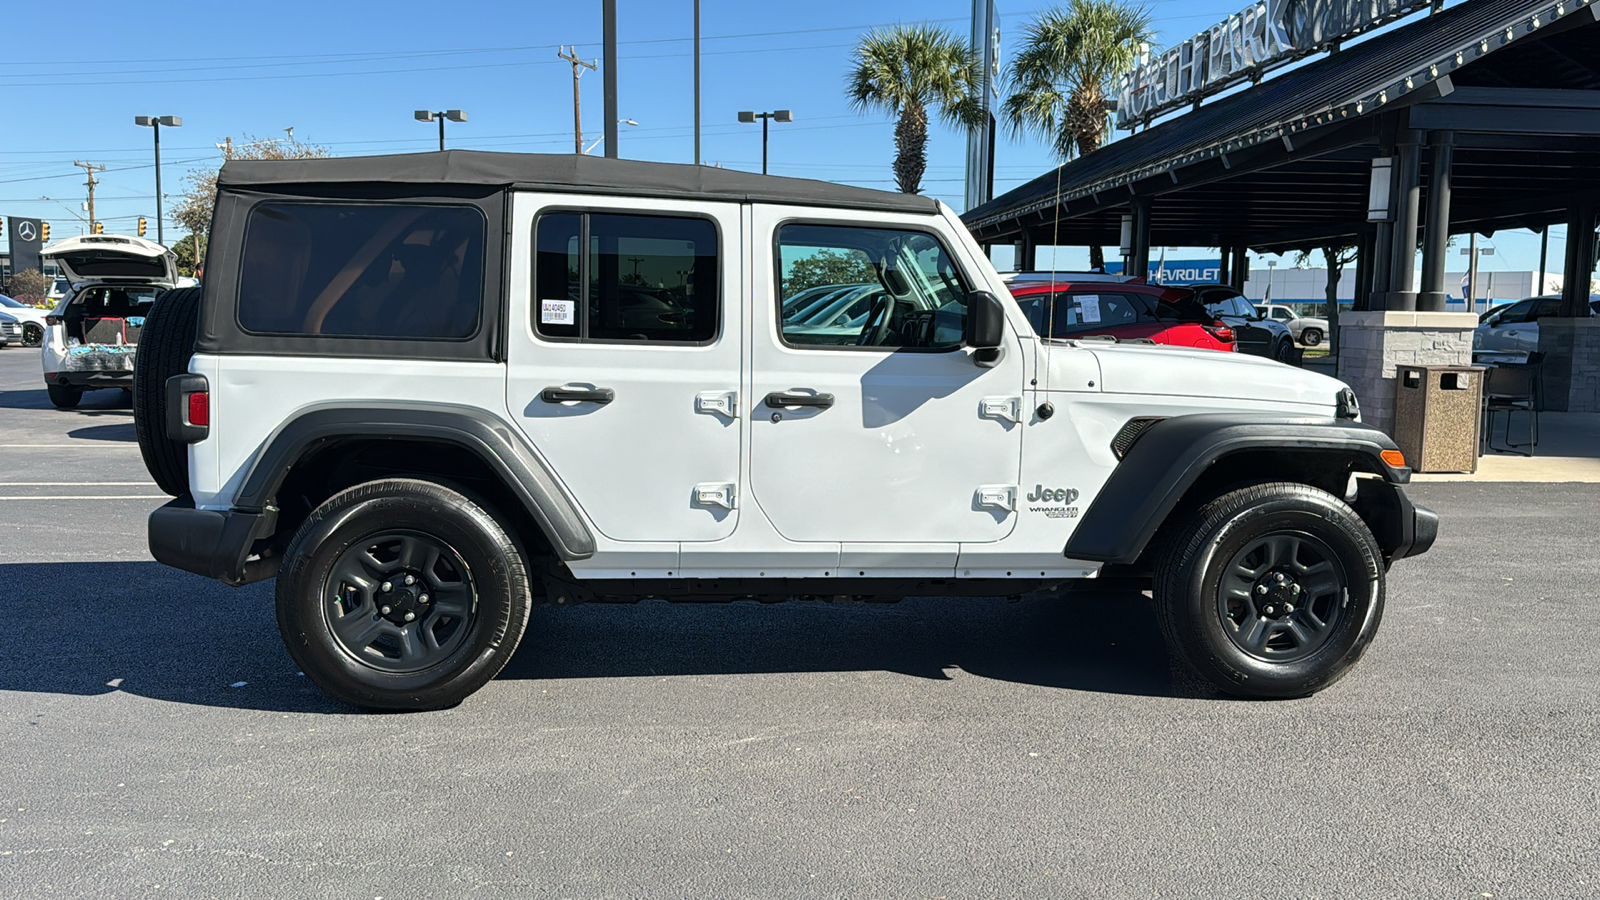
x=792 y=399
x=601 y=396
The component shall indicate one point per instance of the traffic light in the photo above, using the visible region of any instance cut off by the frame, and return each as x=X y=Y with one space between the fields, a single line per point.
x=44 y=232
x=141 y=226
x=99 y=228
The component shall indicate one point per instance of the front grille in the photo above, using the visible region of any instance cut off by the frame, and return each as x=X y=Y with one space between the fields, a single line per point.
x=1130 y=434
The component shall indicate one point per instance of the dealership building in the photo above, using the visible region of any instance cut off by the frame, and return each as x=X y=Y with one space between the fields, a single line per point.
x=1478 y=117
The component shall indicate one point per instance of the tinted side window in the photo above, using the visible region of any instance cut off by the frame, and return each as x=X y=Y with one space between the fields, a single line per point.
x=841 y=286
x=605 y=277
x=374 y=270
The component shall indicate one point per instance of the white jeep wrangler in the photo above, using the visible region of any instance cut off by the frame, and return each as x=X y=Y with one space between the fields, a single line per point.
x=426 y=392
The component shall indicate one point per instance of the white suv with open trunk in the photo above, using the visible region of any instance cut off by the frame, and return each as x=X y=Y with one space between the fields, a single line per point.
x=425 y=392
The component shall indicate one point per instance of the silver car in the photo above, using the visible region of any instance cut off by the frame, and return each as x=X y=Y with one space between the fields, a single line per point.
x=1513 y=330
x=1308 y=330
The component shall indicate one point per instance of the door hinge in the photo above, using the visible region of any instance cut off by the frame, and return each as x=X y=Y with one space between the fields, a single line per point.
x=718 y=494
x=723 y=403
x=998 y=496
x=1006 y=409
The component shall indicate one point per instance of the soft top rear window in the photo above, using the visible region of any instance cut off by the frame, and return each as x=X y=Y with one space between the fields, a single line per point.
x=377 y=270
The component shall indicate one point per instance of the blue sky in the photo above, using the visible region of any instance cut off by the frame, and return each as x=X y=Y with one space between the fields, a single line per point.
x=349 y=75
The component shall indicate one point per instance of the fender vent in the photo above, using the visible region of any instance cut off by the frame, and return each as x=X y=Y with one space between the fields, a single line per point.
x=1130 y=434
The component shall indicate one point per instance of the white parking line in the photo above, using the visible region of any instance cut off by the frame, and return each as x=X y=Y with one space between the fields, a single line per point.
x=106 y=497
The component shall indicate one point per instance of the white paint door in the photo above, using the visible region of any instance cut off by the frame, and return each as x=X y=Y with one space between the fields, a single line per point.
x=874 y=426
x=625 y=351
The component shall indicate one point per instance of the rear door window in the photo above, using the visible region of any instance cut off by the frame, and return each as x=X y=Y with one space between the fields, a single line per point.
x=611 y=277
x=395 y=271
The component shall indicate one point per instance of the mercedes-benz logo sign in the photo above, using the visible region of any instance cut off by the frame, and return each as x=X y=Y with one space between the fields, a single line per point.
x=27 y=231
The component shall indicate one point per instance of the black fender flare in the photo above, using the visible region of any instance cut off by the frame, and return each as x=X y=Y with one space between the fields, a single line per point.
x=490 y=438
x=1171 y=455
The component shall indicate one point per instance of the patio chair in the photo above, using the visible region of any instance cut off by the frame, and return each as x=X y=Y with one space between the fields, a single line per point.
x=1511 y=389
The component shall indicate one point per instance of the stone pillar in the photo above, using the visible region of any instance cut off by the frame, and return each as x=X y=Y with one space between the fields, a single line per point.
x=1371 y=344
x=1570 y=375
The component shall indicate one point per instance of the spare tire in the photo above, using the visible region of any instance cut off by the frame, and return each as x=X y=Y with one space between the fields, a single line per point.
x=165 y=344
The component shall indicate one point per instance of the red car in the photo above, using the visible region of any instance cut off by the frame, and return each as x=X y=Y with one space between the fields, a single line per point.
x=1126 y=311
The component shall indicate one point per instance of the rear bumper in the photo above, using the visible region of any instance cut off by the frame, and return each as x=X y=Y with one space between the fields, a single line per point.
x=93 y=380
x=211 y=543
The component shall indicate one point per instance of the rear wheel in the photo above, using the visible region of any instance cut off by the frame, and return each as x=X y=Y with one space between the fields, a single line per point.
x=1283 y=351
x=165 y=344
x=402 y=594
x=63 y=397
x=1271 y=591
x=1311 y=337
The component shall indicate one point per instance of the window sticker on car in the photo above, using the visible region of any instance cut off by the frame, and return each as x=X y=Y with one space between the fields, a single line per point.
x=558 y=312
x=1088 y=307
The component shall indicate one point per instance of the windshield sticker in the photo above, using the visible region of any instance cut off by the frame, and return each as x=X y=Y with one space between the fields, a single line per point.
x=558 y=312
x=1089 y=308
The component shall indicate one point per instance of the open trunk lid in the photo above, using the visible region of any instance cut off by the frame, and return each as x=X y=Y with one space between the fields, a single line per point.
x=112 y=259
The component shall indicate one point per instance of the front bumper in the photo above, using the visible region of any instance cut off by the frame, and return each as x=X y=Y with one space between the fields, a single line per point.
x=211 y=543
x=1402 y=528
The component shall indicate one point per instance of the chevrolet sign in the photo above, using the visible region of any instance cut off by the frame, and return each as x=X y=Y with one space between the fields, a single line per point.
x=1263 y=36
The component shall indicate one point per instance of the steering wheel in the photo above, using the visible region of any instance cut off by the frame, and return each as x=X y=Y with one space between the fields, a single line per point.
x=873 y=334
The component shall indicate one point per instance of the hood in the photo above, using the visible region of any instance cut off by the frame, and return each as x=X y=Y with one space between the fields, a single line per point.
x=113 y=258
x=1174 y=371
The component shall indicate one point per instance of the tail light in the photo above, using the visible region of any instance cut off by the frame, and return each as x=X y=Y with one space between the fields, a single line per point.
x=188 y=408
x=52 y=320
x=1219 y=331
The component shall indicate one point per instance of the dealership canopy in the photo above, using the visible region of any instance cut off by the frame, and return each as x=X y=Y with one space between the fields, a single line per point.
x=1496 y=102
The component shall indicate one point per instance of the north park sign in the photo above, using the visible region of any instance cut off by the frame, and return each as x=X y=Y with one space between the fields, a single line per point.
x=1261 y=37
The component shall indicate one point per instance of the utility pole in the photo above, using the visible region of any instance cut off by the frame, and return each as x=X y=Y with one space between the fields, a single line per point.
x=608 y=37
x=697 y=82
x=578 y=66
x=90 y=168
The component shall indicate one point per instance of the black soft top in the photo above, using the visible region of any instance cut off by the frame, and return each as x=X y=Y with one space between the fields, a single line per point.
x=563 y=172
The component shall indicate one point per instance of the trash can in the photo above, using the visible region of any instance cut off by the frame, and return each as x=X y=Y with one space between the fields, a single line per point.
x=1437 y=416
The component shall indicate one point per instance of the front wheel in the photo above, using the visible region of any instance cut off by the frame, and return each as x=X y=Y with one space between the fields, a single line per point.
x=1311 y=337
x=1271 y=591
x=402 y=594
x=32 y=335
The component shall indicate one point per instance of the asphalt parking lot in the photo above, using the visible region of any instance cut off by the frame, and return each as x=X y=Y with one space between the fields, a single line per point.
x=159 y=742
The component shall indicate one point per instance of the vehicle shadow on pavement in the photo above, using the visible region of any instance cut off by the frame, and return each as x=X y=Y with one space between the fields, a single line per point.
x=93 y=402
x=1106 y=642
x=142 y=628
x=120 y=432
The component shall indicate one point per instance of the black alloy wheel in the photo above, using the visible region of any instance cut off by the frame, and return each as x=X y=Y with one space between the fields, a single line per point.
x=1281 y=596
x=402 y=594
x=32 y=335
x=399 y=601
x=1283 y=351
x=1269 y=591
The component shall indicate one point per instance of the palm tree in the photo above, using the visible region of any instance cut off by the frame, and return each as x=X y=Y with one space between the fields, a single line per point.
x=1060 y=77
x=905 y=70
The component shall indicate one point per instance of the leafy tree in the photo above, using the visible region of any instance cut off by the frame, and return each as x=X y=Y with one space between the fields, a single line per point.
x=828 y=267
x=29 y=286
x=904 y=71
x=1061 y=77
x=184 y=250
x=199 y=197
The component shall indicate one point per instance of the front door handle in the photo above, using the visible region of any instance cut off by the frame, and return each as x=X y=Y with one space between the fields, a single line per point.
x=601 y=396
x=792 y=399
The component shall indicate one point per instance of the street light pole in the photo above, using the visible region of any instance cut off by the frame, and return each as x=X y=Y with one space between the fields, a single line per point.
x=155 y=123
x=454 y=115
x=780 y=115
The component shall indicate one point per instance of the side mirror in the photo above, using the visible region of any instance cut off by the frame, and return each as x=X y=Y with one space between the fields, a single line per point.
x=986 y=327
